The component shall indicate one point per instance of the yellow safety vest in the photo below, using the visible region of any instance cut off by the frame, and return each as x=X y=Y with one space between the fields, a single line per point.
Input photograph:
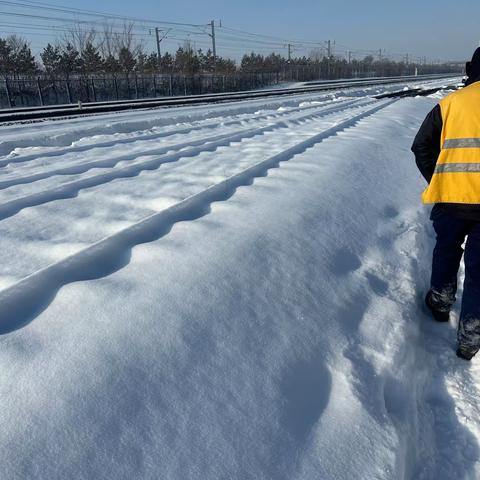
x=457 y=173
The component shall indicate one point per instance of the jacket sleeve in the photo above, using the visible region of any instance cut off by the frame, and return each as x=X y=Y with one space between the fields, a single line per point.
x=426 y=145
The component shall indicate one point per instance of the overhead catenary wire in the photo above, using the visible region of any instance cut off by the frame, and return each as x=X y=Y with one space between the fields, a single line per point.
x=228 y=39
x=72 y=10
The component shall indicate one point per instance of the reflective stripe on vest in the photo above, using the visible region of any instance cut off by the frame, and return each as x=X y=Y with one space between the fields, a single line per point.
x=456 y=177
x=461 y=143
x=458 y=168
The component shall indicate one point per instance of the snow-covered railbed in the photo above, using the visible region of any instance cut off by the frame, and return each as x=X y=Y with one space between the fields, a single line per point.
x=226 y=298
x=107 y=200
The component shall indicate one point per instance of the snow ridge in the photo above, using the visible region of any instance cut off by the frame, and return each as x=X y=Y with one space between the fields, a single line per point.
x=189 y=149
x=22 y=302
x=175 y=131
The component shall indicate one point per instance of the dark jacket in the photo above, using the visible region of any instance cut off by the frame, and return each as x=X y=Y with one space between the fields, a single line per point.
x=426 y=148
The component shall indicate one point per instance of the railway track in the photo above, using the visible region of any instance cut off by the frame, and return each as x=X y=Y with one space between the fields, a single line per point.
x=413 y=92
x=128 y=165
x=55 y=111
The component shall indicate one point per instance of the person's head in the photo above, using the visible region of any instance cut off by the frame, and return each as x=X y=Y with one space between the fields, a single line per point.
x=472 y=68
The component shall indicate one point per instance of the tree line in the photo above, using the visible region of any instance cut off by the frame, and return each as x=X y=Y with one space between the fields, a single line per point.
x=81 y=53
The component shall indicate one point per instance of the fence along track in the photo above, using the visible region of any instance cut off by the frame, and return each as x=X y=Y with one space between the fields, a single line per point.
x=28 y=91
x=54 y=111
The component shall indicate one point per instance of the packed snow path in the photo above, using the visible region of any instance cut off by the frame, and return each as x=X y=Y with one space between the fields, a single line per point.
x=226 y=292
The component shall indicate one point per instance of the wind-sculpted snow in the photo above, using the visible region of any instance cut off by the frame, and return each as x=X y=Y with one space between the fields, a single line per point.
x=236 y=299
x=110 y=161
x=168 y=132
x=208 y=170
x=24 y=300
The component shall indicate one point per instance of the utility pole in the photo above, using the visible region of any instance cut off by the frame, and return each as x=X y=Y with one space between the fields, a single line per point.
x=214 y=46
x=159 y=40
x=159 y=56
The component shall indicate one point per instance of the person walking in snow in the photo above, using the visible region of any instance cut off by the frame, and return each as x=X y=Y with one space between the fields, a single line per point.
x=447 y=153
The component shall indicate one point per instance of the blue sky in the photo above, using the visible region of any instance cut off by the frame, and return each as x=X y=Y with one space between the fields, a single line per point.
x=437 y=29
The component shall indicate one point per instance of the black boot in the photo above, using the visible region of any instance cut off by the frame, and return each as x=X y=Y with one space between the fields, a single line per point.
x=438 y=315
x=465 y=353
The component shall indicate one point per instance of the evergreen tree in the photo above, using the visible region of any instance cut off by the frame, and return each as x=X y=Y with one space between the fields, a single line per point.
x=186 y=60
x=92 y=61
x=70 y=61
x=51 y=59
x=274 y=63
x=226 y=65
x=166 y=63
x=126 y=60
x=179 y=61
x=141 y=62
x=16 y=57
x=151 y=63
x=208 y=64
x=252 y=62
x=24 y=61
x=111 y=64
x=5 y=57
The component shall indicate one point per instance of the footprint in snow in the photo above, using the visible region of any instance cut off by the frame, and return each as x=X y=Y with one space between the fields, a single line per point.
x=344 y=261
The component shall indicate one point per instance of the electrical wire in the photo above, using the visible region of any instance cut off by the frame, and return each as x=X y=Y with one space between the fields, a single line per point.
x=228 y=39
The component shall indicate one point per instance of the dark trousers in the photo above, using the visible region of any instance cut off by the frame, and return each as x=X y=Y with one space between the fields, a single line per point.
x=451 y=233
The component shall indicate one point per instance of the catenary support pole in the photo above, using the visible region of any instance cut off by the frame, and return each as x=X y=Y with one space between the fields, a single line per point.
x=214 y=45
x=159 y=55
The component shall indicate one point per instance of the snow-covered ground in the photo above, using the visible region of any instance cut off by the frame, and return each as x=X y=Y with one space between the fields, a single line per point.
x=229 y=291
